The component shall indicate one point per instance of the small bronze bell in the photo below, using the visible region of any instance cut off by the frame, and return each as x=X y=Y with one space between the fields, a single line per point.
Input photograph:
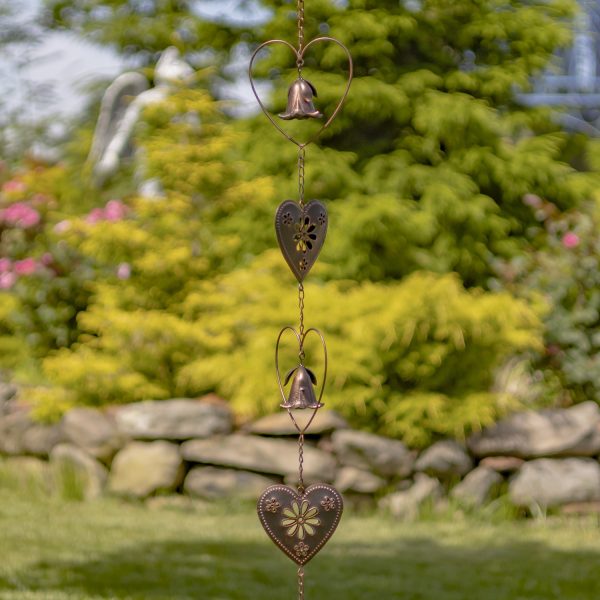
x=300 y=104
x=302 y=393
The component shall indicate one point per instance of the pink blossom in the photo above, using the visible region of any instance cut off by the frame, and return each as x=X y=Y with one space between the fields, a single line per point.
x=124 y=271
x=47 y=259
x=13 y=186
x=27 y=266
x=97 y=214
x=532 y=200
x=62 y=226
x=7 y=280
x=115 y=210
x=570 y=240
x=20 y=215
x=5 y=265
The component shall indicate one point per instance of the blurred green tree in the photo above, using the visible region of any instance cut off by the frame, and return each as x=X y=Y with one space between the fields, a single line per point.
x=424 y=170
x=431 y=155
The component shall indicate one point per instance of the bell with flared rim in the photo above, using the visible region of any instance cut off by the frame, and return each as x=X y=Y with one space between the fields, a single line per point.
x=302 y=392
x=300 y=101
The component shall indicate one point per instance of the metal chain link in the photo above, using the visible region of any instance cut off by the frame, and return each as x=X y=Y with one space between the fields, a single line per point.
x=301 y=156
x=300 y=61
x=300 y=583
x=301 y=463
x=301 y=327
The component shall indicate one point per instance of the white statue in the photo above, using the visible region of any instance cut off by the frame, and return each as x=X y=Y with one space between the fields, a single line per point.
x=120 y=110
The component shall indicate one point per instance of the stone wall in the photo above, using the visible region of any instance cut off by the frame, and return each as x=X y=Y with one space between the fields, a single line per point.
x=538 y=459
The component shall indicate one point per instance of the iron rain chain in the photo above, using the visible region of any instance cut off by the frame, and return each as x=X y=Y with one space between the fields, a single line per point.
x=301 y=521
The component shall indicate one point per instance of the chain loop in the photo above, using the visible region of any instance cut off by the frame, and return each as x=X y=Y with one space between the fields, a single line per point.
x=300 y=583
x=301 y=463
x=300 y=61
x=301 y=354
x=301 y=156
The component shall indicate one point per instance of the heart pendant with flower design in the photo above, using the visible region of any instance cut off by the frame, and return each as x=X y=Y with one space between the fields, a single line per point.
x=300 y=524
x=301 y=232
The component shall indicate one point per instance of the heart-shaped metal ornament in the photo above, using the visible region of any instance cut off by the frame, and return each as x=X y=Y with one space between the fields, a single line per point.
x=301 y=341
x=300 y=523
x=301 y=232
x=300 y=59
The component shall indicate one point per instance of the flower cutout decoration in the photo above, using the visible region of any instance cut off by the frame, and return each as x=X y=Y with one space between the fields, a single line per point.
x=305 y=234
x=300 y=520
x=322 y=218
x=272 y=505
x=303 y=264
x=328 y=503
x=301 y=549
x=287 y=218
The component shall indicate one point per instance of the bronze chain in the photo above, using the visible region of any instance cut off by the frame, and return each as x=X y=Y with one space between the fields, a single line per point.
x=301 y=228
x=301 y=463
x=300 y=60
x=301 y=324
x=301 y=156
x=301 y=583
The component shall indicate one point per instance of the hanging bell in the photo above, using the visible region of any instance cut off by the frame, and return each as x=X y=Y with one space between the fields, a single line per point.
x=302 y=392
x=300 y=101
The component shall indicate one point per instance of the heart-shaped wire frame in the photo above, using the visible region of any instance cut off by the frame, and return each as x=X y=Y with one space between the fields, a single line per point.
x=300 y=58
x=301 y=340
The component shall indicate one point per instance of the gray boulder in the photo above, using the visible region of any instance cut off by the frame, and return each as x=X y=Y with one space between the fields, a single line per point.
x=92 y=431
x=445 y=459
x=69 y=462
x=351 y=479
x=389 y=458
x=546 y=482
x=477 y=487
x=556 y=432
x=12 y=432
x=143 y=468
x=406 y=504
x=214 y=483
x=262 y=455
x=502 y=464
x=39 y=439
x=20 y=435
x=176 y=419
x=280 y=424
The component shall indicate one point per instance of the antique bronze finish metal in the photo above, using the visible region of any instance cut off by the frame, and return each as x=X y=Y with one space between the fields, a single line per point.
x=300 y=60
x=300 y=101
x=301 y=231
x=300 y=524
x=301 y=521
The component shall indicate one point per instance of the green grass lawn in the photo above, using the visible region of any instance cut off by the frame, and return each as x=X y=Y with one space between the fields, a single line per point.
x=56 y=550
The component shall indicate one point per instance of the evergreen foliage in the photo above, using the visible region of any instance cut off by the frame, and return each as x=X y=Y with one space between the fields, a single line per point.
x=423 y=174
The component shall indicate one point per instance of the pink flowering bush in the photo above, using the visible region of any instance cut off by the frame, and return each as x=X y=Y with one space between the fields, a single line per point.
x=20 y=215
x=563 y=271
x=42 y=278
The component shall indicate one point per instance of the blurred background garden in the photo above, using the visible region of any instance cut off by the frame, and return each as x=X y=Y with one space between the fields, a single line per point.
x=459 y=286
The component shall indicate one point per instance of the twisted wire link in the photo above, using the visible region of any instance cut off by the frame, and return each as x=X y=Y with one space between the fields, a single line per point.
x=301 y=463
x=301 y=583
x=300 y=11
x=301 y=157
x=301 y=354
